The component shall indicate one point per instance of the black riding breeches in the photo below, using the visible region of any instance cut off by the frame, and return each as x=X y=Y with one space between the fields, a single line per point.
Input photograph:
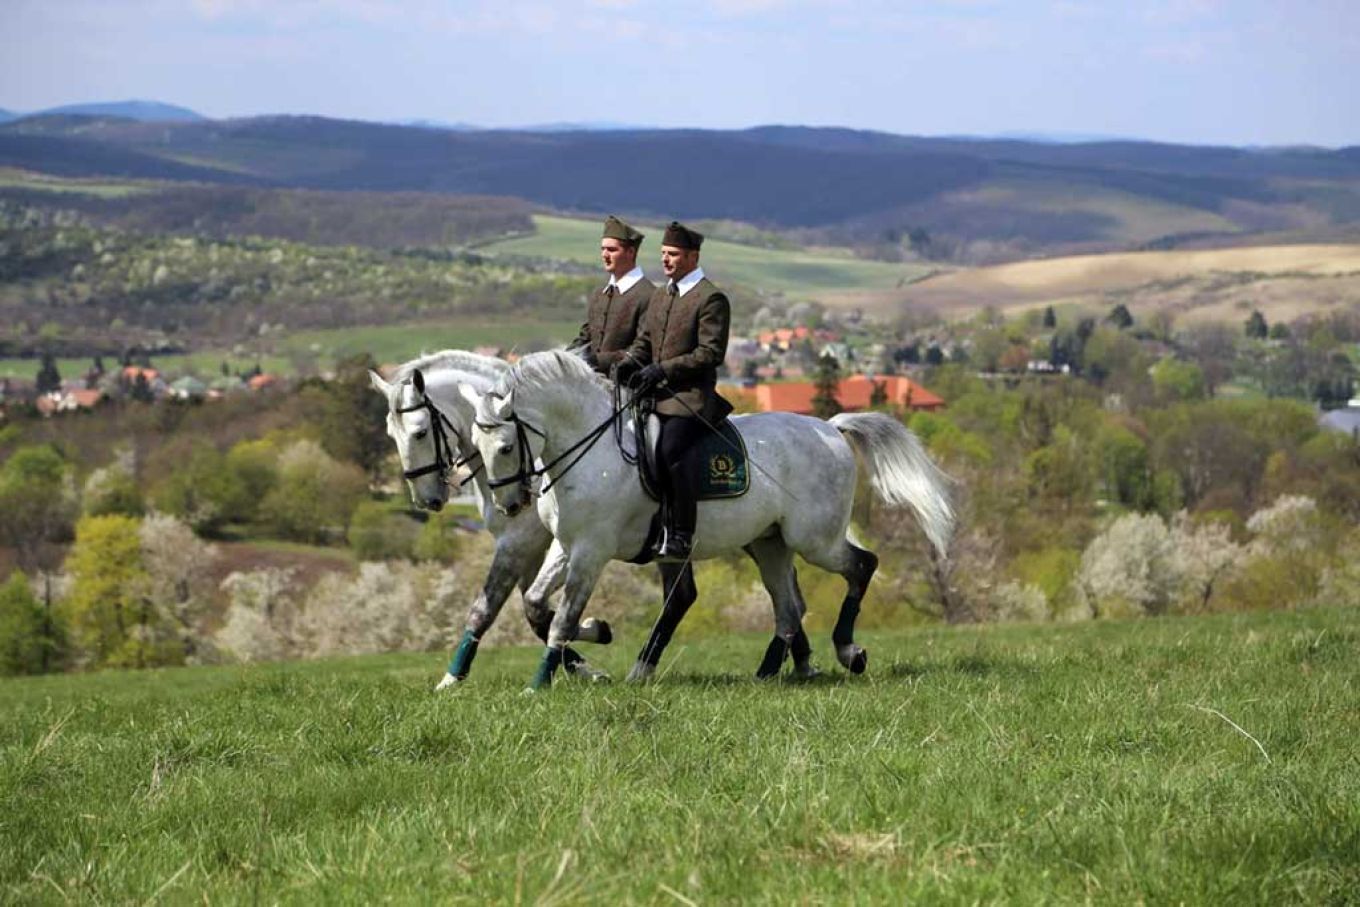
x=679 y=435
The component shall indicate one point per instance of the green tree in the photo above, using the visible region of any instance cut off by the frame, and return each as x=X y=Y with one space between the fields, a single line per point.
x=112 y=622
x=30 y=642
x=377 y=534
x=1121 y=317
x=825 y=381
x=37 y=514
x=878 y=397
x=1178 y=381
x=203 y=491
x=354 y=419
x=315 y=495
x=1256 y=327
x=49 y=379
x=1050 y=317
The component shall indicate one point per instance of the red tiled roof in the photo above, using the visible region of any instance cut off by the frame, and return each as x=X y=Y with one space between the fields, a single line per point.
x=853 y=393
x=130 y=372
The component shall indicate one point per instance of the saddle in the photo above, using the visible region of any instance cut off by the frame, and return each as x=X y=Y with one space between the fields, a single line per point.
x=718 y=462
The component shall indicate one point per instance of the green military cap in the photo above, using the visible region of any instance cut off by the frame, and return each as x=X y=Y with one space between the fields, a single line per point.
x=623 y=232
x=682 y=237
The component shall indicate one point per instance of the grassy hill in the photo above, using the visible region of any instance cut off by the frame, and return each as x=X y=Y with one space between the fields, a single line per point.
x=793 y=271
x=1197 y=760
x=1196 y=285
x=978 y=199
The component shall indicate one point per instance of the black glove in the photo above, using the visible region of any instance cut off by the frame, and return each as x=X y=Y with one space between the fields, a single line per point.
x=648 y=378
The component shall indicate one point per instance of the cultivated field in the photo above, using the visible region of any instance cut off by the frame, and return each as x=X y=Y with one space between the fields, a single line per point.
x=1203 y=285
x=1192 y=760
x=803 y=274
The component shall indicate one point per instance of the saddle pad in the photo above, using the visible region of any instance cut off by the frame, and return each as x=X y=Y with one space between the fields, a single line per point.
x=719 y=462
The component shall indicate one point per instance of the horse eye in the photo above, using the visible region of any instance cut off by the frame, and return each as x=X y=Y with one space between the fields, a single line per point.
x=419 y=435
x=506 y=450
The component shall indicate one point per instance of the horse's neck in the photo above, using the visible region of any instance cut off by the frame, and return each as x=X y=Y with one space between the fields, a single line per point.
x=564 y=413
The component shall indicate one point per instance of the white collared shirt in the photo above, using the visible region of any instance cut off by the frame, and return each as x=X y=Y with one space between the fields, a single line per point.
x=689 y=281
x=624 y=284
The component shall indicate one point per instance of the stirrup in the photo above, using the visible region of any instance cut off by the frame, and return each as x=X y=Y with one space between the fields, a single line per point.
x=675 y=546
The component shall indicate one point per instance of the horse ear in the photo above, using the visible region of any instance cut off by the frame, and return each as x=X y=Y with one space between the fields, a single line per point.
x=503 y=407
x=418 y=380
x=379 y=384
x=470 y=395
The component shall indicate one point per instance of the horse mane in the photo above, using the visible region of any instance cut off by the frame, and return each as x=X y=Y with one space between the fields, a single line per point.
x=488 y=367
x=545 y=369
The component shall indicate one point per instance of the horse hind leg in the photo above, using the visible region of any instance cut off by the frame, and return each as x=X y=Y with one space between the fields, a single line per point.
x=677 y=581
x=775 y=560
x=858 y=573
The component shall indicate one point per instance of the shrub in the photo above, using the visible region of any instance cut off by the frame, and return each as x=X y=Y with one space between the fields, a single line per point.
x=315 y=495
x=113 y=489
x=376 y=533
x=30 y=640
x=1129 y=568
x=261 y=620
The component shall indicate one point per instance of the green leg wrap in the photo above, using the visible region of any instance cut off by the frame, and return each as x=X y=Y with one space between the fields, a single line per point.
x=461 y=662
x=546 y=668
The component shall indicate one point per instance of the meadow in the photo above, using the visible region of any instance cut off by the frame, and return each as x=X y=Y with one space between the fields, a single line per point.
x=283 y=355
x=800 y=272
x=1186 y=760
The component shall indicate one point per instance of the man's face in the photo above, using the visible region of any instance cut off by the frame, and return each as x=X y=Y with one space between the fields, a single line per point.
x=619 y=258
x=678 y=262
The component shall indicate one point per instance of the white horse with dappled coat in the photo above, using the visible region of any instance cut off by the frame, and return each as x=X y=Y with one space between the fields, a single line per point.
x=431 y=403
x=802 y=483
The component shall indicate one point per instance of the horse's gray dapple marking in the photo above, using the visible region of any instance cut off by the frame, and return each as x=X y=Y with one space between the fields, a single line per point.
x=596 y=510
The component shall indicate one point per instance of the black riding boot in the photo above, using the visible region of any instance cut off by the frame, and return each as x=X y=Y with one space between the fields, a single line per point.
x=678 y=436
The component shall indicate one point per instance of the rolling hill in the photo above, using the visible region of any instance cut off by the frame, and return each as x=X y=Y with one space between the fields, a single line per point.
x=1199 y=285
x=970 y=200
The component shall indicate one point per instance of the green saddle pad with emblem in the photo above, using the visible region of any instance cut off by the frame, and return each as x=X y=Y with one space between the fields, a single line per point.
x=720 y=465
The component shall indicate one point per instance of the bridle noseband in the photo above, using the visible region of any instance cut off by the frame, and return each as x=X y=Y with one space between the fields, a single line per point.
x=445 y=460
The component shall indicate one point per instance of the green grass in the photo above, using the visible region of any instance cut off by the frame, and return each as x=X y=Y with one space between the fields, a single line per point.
x=1201 y=761
x=797 y=272
x=312 y=349
x=22 y=179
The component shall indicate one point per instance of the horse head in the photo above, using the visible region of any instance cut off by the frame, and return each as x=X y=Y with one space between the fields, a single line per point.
x=507 y=447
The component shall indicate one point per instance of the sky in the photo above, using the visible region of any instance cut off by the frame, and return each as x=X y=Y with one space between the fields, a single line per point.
x=1238 y=72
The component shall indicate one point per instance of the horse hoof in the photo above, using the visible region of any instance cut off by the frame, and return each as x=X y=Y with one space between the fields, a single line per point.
x=587 y=672
x=640 y=673
x=596 y=631
x=805 y=672
x=448 y=680
x=852 y=658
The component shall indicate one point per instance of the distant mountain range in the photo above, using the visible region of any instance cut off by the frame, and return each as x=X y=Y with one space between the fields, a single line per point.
x=142 y=111
x=951 y=197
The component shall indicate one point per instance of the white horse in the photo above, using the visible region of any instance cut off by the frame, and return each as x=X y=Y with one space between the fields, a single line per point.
x=431 y=402
x=430 y=420
x=545 y=408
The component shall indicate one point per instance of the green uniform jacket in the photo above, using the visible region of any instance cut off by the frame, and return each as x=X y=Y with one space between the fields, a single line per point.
x=612 y=323
x=687 y=335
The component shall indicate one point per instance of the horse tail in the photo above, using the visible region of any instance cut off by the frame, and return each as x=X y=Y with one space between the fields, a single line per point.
x=901 y=472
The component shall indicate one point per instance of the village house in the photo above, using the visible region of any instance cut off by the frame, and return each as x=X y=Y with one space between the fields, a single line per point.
x=853 y=393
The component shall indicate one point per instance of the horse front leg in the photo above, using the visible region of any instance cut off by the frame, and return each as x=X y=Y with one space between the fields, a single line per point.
x=583 y=571
x=537 y=590
x=677 y=581
x=507 y=564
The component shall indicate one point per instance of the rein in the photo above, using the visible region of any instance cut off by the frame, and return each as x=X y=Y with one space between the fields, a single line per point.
x=526 y=472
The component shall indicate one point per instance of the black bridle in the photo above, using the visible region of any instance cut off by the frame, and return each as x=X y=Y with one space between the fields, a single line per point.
x=445 y=459
x=527 y=472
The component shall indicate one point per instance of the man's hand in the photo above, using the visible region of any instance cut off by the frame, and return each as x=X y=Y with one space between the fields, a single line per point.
x=648 y=378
